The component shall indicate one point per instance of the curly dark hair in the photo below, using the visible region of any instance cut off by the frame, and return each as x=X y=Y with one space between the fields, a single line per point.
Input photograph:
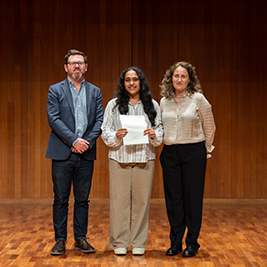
x=167 y=88
x=145 y=95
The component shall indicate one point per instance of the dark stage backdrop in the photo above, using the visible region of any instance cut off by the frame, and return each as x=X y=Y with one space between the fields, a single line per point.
x=225 y=40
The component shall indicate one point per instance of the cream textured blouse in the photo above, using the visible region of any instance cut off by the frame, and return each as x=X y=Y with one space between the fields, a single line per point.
x=190 y=121
x=131 y=153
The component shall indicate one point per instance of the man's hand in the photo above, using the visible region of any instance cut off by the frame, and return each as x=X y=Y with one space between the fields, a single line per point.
x=80 y=146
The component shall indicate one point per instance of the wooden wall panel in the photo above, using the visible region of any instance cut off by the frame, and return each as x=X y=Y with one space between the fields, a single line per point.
x=34 y=40
x=224 y=40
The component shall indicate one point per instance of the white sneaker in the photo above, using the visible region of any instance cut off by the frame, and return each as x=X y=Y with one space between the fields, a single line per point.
x=138 y=251
x=120 y=251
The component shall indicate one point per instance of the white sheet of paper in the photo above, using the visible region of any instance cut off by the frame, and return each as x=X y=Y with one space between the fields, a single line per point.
x=135 y=124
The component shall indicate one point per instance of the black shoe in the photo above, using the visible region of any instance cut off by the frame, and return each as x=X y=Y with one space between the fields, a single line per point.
x=190 y=252
x=83 y=246
x=59 y=247
x=174 y=250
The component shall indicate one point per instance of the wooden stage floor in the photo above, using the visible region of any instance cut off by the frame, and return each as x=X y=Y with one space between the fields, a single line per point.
x=232 y=235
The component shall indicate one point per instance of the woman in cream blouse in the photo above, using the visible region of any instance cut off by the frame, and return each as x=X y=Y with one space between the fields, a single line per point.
x=189 y=130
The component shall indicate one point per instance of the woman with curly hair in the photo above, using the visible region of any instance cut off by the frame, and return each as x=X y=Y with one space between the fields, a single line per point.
x=131 y=167
x=189 y=130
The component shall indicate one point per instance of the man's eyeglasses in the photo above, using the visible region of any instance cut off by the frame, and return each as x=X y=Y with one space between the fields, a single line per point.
x=73 y=64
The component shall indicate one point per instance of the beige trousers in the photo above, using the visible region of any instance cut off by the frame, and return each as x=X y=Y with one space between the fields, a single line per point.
x=130 y=187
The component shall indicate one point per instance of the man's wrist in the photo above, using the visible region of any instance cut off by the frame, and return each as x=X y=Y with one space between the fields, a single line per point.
x=75 y=142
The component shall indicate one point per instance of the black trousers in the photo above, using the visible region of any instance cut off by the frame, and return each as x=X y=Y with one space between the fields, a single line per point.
x=184 y=168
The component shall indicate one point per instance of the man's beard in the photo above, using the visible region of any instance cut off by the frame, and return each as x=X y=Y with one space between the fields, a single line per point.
x=76 y=76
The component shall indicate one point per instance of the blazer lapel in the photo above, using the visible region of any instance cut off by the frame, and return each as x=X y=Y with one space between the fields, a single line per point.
x=88 y=98
x=66 y=89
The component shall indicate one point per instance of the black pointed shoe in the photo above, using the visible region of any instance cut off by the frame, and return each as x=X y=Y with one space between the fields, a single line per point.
x=173 y=250
x=83 y=246
x=59 y=248
x=190 y=252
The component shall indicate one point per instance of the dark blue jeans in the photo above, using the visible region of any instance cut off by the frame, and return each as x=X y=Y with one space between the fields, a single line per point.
x=77 y=171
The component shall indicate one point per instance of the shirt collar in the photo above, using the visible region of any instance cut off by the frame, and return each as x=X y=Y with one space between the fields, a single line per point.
x=138 y=103
x=186 y=94
x=72 y=84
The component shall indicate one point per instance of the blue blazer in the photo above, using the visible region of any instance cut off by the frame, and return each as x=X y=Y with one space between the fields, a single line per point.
x=61 y=119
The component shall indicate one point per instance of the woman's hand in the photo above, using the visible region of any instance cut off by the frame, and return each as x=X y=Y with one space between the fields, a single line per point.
x=121 y=133
x=151 y=133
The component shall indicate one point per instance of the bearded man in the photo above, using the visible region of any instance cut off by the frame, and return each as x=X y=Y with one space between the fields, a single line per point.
x=75 y=115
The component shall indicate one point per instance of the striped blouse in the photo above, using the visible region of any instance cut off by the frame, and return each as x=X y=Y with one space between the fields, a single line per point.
x=190 y=121
x=130 y=153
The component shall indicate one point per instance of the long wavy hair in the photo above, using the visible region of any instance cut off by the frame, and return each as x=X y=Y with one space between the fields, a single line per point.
x=167 y=89
x=145 y=95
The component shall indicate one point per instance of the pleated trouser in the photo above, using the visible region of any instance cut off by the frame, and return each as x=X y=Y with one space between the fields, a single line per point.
x=130 y=191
